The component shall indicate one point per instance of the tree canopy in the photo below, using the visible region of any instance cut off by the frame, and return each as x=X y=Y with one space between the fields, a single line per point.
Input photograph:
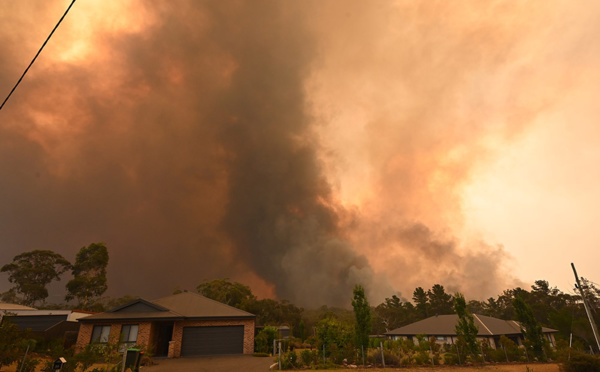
x=32 y=271
x=267 y=311
x=362 y=313
x=531 y=329
x=466 y=330
x=89 y=275
x=231 y=293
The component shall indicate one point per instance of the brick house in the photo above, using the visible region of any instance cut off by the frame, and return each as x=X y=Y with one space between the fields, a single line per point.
x=184 y=324
x=443 y=328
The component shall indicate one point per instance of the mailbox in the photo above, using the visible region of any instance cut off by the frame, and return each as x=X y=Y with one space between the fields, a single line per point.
x=58 y=363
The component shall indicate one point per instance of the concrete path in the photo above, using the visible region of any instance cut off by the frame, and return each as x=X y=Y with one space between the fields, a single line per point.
x=246 y=363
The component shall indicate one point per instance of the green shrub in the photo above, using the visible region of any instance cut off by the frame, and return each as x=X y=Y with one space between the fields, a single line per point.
x=28 y=365
x=497 y=355
x=422 y=357
x=311 y=341
x=327 y=365
x=580 y=362
x=338 y=354
x=334 y=335
x=309 y=358
x=374 y=357
x=391 y=359
x=450 y=359
x=88 y=356
x=292 y=357
x=264 y=339
x=289 y=360
x=511 y=350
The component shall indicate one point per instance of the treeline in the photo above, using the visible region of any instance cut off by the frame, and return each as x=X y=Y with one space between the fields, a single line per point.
x=550 y=307
x=31 y=272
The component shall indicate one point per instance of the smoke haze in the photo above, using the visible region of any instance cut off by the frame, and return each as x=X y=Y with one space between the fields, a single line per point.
x=300 y=147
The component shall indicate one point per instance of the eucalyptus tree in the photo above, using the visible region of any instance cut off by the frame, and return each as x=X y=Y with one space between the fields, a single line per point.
x=31 y=272
x=89 y=275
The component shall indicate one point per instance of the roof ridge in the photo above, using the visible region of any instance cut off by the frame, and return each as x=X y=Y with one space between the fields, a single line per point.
x=204 y=298
x=483 y=324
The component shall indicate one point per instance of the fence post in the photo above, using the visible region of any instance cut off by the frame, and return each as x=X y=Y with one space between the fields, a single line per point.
x=279 y=355
x=363 y=354
x=431 y=354
x=25 y=357
x=382 y=357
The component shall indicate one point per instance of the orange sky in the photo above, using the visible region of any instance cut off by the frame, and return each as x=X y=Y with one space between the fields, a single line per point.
x=305 y=146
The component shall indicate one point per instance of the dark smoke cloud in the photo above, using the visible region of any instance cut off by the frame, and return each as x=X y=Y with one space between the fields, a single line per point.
x=298 y=146
x=187 y=148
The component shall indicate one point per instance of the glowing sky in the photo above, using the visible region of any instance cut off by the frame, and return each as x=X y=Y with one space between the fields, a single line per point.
x=302 y=147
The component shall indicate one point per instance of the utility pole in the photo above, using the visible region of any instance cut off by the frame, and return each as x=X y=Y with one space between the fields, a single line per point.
x=587 y=307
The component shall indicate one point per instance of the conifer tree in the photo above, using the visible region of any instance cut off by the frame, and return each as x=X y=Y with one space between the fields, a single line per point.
x=362 y=312
x=466 y=330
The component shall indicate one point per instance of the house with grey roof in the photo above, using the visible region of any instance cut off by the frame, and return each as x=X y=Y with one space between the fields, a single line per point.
x=183 y=324
x=443 y=328
x=10 y=309
x=47 y=324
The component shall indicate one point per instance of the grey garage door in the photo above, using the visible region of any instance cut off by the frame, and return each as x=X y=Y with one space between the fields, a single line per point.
x=212 y=340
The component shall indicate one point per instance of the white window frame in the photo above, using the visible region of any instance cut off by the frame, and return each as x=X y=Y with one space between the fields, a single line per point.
x=129 y=335
x=102 y=336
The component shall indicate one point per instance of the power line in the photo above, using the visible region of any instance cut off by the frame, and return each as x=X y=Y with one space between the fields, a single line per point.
x=37 y=54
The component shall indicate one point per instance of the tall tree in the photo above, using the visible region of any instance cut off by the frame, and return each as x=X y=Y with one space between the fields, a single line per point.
x=421 y=302
x=362 y=313
x=530 y=327
x=273 y=312
x=440 y=302
x=231 y=293
x=466 y=330
x=391 y=314
x=89 y=275
x=32 y=271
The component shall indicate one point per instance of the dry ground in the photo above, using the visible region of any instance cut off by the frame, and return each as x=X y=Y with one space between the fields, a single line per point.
x=225 y=364
x=532 y=367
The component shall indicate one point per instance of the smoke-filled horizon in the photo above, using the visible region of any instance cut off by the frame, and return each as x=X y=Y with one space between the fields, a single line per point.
x=299 y=147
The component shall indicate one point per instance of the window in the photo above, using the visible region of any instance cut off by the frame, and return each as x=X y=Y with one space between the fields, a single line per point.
x=129 y=333
x=549 y=336
x=100 y=334
x=440 y=338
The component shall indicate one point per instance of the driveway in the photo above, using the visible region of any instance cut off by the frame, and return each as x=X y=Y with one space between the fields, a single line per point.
x=246 y=363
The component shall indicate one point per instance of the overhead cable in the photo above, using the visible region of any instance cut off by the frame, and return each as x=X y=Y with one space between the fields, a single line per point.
x=37 y=54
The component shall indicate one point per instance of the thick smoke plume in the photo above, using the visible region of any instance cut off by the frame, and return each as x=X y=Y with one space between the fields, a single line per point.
x=301 y=147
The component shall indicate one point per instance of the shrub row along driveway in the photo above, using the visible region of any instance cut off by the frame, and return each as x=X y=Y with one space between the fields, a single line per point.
x=246 y=363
